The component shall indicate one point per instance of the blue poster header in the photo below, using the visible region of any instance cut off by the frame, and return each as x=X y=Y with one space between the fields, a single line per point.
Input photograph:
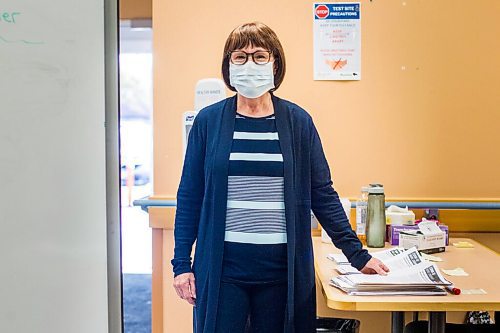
x=336 y=11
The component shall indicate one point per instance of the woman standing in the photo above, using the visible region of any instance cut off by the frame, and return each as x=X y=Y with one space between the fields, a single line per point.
x=254 y=169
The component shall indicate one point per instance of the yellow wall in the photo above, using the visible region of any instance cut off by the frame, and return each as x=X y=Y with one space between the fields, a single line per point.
x=424 y=120
x=136 y=9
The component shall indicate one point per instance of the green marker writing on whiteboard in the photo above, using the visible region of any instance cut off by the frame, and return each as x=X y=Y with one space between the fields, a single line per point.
x=8 y=17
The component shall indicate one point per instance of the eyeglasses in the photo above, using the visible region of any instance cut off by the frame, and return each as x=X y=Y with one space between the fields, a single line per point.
x=241 y=57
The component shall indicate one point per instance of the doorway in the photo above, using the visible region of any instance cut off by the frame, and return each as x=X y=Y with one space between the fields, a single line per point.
x=136 y=150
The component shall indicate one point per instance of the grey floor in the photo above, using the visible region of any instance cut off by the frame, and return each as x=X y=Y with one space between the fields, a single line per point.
x=137 y=303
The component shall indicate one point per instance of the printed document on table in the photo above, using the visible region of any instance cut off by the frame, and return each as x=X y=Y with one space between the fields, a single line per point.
x=341 y=259
x=403 y=260
x=423 y=274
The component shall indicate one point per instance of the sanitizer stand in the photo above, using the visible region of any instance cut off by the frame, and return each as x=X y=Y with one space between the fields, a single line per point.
x=207 y=92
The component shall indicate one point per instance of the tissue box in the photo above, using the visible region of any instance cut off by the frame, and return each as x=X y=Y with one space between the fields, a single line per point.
x=394 y=230
x=399 y=216
x=424 y=243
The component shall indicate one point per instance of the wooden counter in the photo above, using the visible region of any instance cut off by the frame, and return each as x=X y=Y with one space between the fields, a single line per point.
x=482 y=264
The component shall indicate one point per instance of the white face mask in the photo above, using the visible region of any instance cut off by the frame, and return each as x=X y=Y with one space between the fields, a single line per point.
x=252 y=80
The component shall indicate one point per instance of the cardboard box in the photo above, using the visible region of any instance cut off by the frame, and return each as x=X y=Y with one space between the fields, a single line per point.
x=429 y=238
x=394 y=230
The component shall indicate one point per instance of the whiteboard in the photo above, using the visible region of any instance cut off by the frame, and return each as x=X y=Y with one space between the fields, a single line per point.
x=53 y=234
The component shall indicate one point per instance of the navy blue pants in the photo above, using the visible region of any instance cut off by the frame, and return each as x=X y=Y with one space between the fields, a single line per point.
x=263 y=305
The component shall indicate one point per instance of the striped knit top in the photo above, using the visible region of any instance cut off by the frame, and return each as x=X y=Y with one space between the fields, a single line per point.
x=255 y=237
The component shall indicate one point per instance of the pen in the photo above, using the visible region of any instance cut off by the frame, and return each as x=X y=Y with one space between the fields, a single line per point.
x=452 y=290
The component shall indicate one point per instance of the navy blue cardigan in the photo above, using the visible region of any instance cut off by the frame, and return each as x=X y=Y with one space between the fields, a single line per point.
x=202 y=199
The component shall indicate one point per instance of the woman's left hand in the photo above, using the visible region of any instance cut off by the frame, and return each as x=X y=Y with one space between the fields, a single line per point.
x=375 y=266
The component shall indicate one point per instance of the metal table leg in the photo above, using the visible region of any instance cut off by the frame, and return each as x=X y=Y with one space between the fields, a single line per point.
x=437 y=322
x=398 y=322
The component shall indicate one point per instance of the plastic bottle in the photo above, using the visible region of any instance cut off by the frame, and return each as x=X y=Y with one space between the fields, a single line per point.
x=361 y=211
x=375 y=223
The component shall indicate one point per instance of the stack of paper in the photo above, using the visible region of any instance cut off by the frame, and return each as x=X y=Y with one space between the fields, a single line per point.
x=341 y=259
x=409 y=274
x=392 y=258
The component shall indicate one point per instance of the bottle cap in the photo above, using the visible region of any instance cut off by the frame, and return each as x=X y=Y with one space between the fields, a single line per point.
x=376 y=189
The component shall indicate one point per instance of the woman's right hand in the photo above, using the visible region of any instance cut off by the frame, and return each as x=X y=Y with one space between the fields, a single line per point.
x=185 y=288
x=375 y=266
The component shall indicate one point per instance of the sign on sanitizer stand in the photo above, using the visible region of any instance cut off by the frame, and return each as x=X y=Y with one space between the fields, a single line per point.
x=207 y=92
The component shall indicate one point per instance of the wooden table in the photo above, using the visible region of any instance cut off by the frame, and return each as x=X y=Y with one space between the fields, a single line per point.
x=482 y=264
